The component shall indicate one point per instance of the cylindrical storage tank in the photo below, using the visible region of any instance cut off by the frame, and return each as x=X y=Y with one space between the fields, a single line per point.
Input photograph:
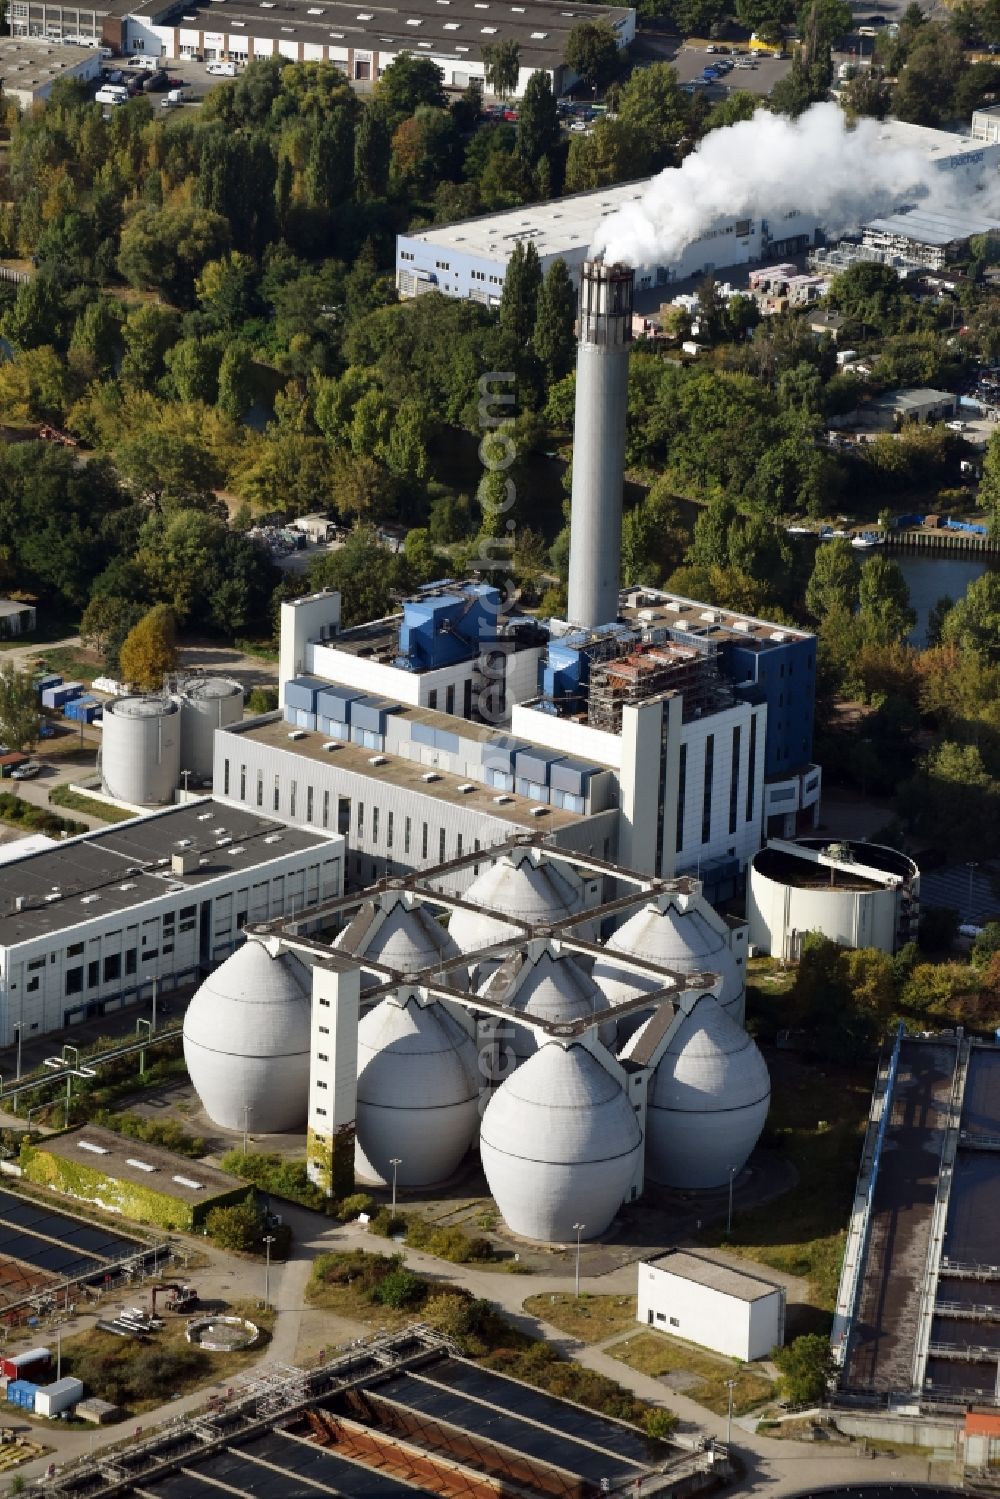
x=677 y=939
x=708 y=1101
x=857 y=894
x=141 y=749
x=246 y=1040
x=515 y=885
x=418 y=1091
x=560 y=1145
x=555 y=989
x=206 y=704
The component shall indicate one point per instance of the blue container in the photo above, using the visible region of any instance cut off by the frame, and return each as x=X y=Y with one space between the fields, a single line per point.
x=301 y=692
x=21 y=1392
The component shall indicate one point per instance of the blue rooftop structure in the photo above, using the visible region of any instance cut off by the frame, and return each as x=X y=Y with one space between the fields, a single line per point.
x=442 y=628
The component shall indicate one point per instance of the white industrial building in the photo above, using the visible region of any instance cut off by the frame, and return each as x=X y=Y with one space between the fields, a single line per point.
x=16 y=618
x=925 y=237
x=361 y=43
x=28 y=69
x=584 y=1086
x=710 y=1303
x=88 y=924
x=469 y=259
x=857 y=894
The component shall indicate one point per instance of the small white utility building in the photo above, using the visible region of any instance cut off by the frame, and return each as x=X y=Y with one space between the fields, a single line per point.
x=711 y=1304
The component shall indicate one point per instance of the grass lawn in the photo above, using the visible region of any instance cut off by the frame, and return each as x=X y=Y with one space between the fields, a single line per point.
x=818 y=1117
x=62 y=796
x=75 y=664
x=589 y=1318
x=142 y=1375
x=656 y=1354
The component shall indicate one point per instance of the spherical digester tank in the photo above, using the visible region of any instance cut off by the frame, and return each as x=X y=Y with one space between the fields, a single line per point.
x=206 y=704
x=141 y=750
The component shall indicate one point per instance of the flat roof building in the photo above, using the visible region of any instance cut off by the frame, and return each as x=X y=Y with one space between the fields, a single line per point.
x=16 y=618
x=670 y=741
x=86 y=925
x=28 y=69
x=708 y=1302
x=929 y=238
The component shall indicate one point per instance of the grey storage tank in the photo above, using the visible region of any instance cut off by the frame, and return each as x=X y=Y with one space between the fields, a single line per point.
x=206 y=704
x=141 y=750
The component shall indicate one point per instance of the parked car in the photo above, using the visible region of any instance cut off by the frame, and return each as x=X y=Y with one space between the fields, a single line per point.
x=26 y=772
x=156 y=83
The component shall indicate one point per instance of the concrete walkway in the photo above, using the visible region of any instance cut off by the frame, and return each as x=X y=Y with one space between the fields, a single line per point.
x=775 y=1467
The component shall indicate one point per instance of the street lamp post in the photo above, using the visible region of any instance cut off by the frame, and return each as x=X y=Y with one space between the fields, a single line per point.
x=187 y=776
x=730 y=1386
x=395 y=1162
x=152 y=979
x=579 y=1227
x=268 y=1241
x=17 y=1028
x=729 y=1219
x=149 y=1034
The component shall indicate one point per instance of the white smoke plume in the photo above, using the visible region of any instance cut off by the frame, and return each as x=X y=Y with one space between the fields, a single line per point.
x=766 y=167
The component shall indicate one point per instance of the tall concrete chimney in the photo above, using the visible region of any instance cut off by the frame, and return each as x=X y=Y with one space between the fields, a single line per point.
x=604 y=331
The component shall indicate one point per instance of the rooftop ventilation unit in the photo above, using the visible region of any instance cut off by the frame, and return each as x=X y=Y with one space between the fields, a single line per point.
x=503 y=801
x=139 y=1165
x=331 y=745
x=273 y=838
x=431 y=775
x=189 y=1181
x=297 y=734
x=94 y=1149
x=465 y=788
x=379 y=760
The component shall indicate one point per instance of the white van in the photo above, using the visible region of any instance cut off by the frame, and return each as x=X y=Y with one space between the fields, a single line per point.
x=221 y=69
x=176 y=95
x=112 y=93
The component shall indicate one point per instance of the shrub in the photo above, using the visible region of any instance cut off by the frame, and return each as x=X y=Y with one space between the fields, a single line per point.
x=163 y=1132
x=262 y=700
x=276 y=1175
x=355 y=1205
x=387 y=1224
x=400 y=1289
x=805 y=1367
x=236 y=1227
x=660 y=1423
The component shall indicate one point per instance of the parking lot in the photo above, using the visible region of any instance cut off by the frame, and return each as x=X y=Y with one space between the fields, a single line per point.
x=187 y=73
x=759 y=79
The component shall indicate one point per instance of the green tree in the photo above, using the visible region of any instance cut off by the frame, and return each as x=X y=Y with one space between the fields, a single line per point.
x=149 y=652
x=163 y=249
x=519 y=301
x=167 y=468
x=235 y=392
x=884 y=602
x=974 y=622
x=35 y=386
x=18 y=707
x=537 y=120
x=592 y=53
x=553 y=338
x=502 y=66
x=147 y=334
x=989 y=485
x=96 y=338
x=372 y=152
x=869 y=294
x=192 y=365
x=227 y=291
x=806 y=1367
x=37 y=315
x=408 y=82
x=653 y=537
x=833 y=582
x=652 y=104
x=235 y=1228
x=986 y=945
x=366 y=574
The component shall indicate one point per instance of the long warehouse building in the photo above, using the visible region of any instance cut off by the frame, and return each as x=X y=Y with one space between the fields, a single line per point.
x=469 y=259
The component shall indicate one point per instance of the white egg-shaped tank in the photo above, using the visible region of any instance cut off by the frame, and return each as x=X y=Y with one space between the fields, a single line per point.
x=206 y=704
x=560 y=1145
x=407 y=939
x=418 y=1091
x=141 y=750
x=708 y=1101
x=555 y=988
x=246 y=1040
x=679 y=939
x=515 y=885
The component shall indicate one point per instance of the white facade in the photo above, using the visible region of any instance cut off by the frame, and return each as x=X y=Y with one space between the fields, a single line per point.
x=91 y=951
x=860 y=895
x=28 y=70
x=711 y=1304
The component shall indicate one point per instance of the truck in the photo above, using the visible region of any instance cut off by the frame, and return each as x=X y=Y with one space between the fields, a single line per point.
x=112 y=93
x=221 y=69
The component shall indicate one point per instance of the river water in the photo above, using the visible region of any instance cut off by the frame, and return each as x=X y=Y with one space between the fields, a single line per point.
x=930 y=575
